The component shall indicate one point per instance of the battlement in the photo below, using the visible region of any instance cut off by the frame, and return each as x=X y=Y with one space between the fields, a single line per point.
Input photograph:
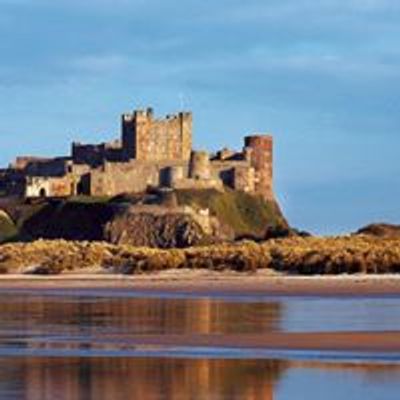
x=259 y=140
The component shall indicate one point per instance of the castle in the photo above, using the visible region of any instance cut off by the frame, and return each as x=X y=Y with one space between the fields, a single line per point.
x=152 y=153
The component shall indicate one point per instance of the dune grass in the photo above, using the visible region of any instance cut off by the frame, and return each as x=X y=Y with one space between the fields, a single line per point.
x=298 y=256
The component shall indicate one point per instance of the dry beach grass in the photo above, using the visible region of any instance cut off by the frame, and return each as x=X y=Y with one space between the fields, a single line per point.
x=295 y=256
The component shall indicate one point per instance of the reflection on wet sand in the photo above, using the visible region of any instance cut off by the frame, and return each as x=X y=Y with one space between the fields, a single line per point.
x=372 y=372
x=145 y=379
x=33 y=323
x=148 y=379
x=136 y=316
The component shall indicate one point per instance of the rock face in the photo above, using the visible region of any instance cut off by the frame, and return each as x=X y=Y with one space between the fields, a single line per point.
x=64 y=220
x=152 y=230
x=150 y=226
x=155 y=220
x=380 y=230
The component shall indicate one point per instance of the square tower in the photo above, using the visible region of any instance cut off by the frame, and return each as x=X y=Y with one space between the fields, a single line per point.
x=147 y=139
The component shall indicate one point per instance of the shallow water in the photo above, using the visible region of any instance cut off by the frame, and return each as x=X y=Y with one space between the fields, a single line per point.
x=83 y=345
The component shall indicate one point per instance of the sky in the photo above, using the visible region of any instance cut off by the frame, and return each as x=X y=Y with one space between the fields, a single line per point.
x=321 y=76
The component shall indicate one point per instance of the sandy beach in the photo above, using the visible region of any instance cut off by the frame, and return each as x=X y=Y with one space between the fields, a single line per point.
x=209 y=283
x=220 y=284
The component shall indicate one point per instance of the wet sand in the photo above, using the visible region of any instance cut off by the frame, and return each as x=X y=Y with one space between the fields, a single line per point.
x=205 y=283
x=202 y=283
x=382 y=342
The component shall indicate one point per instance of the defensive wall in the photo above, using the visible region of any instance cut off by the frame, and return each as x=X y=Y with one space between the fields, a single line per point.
x=151 y=153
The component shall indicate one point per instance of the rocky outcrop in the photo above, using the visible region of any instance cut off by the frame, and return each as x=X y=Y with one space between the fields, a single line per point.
x=153 y=219
x=66 y=220
x=150 y=226
x=163 y=230
x=380 y=230
x=284 y=232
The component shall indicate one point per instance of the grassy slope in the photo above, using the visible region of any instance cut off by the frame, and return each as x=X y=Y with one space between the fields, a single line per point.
x=245 y=214
x=83 y=217
x=82 y=220
x=7 y=227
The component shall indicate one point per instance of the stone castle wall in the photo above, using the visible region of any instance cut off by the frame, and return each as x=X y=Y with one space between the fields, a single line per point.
x=95 y=154
x=41 y=166
x=20 y=163
x=56 y=167
x=151 y=153
x=132 y=177
x=238 y=175
x=147 y=139
x=49 y=186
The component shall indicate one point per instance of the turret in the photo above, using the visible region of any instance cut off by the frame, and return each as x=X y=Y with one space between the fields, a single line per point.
x=259 y=150
x=200 y=165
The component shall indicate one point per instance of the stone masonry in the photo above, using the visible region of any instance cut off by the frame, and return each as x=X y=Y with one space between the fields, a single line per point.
x=152 y=153
x=145 y=138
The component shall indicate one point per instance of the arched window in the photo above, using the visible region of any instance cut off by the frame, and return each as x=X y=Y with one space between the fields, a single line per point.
x=42 y=192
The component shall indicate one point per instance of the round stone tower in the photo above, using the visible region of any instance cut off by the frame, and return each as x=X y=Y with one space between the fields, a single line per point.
x=261 y=159
x=175 y=174
x=200 y=165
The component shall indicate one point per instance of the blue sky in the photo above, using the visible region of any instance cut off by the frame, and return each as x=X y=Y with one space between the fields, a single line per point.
x=322 y=76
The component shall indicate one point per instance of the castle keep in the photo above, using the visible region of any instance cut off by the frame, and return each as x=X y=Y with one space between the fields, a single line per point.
x=152 y=153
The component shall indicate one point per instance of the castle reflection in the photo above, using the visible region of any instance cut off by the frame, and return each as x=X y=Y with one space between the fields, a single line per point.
x=145 y=379
x=49 y=350
x=50 y=323
x=47 y=315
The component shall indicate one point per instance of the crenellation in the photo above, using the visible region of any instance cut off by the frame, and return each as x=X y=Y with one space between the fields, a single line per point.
x=152 y=152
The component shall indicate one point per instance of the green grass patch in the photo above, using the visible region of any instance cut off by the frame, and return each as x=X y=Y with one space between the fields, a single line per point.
x=244 y=213
x=8 y=230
